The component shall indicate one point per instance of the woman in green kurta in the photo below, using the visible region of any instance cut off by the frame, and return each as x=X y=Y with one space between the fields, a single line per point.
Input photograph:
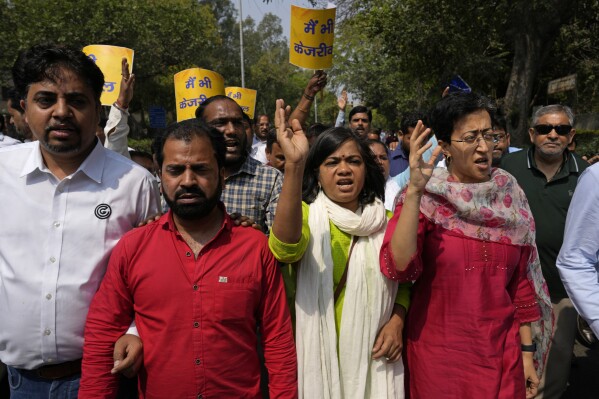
x=348 y=329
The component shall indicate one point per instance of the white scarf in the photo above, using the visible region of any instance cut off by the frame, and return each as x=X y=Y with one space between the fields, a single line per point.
x=367 y=307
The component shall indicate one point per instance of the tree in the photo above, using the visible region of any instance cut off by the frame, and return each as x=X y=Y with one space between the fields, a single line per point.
x=499 y=47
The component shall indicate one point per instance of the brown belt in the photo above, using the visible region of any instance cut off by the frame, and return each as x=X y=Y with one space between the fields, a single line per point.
x=55 y=371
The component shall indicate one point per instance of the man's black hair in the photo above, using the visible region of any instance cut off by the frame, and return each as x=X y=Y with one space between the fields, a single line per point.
x=45 y=61
x=499 y=119
x=453 y=107
x=15 y=101
x=360 y=109
x=316 y=130
x=200 y=110
x=411 y=119
x=186 y=130
x=271 y=138
x=141 y=154
x=326 y=144
x=247 y=118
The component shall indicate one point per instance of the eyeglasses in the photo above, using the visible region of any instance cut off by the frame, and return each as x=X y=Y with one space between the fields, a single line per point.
x=500 y=137
x=473 y=137
x=562 y=130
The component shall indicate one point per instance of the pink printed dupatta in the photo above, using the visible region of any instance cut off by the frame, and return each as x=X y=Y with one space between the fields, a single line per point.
x=496 y=211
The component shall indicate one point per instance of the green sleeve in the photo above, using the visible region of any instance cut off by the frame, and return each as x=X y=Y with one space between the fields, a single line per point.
x=403 y=291
x=291 y=253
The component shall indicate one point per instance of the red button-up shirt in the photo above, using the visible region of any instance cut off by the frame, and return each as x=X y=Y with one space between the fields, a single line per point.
x=198 y=329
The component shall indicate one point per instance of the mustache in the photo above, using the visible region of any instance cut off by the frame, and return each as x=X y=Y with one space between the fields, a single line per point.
x=61 y=126
x=191 y=190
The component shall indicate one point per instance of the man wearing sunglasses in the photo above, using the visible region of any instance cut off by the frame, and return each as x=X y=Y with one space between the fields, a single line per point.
x=548 y=173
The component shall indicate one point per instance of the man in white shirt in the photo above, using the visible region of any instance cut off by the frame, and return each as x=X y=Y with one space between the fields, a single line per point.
x=72 y=200
x=258 y=151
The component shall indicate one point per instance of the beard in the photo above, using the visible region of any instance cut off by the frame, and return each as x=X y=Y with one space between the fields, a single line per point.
x=62 y=147
x=193 y=211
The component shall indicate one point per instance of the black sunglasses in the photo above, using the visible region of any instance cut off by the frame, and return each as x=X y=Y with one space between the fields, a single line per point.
x=562 y=130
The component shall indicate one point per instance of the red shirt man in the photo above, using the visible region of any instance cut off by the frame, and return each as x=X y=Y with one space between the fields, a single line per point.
x=197 y=287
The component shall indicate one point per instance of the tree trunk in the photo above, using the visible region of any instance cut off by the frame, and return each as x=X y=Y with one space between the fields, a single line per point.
x=527 y=54
x=534 y=27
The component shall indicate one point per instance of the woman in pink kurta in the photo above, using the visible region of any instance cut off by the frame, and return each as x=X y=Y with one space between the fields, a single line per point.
x=466 y=236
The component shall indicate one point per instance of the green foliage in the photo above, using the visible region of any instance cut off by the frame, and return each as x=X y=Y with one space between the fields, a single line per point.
x=587 y=142
x=141 y=144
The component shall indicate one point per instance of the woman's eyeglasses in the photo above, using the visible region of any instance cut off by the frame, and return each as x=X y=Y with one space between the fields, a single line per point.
x=474 y=137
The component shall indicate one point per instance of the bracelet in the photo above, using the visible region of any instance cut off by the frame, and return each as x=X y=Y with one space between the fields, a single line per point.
x=311 y=98
x=530 y=348
x=120 y=107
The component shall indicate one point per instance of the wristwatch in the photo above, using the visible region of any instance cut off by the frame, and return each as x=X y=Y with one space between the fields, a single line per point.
x=530 y=348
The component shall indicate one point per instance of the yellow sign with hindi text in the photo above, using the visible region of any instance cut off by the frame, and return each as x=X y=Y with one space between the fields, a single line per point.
x=312 y=36
x=246 y=98
x=193 y=87
x=109 y=59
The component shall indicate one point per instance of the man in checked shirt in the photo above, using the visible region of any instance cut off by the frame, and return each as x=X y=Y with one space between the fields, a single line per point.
x=251 y=189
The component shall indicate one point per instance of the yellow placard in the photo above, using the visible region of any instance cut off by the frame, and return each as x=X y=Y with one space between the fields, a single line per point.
x=109 y=59
x=312 y=37
x=193 y=87
x=246 y=98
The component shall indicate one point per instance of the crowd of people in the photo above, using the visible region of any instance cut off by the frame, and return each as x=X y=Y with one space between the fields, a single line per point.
x=248 y=259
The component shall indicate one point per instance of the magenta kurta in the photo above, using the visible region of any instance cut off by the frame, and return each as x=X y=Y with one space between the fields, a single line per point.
x=462 y=329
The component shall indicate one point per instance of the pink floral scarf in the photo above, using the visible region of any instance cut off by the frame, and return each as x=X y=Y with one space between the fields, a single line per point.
x=496 y=211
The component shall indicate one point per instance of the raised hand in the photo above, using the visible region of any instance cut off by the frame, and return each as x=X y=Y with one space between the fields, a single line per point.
x=127 y=84
x=291 y=139
x=421 y=171
x=316 y=83
x=342 y=100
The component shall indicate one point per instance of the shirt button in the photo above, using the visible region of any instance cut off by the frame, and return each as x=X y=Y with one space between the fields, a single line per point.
x=49 y=296
x=198 y=361
x=47 y=331
x=195 y=287
x=188 y=254
x=52 y=259
x=49 y=359
x=56 y=224
x=196 y=324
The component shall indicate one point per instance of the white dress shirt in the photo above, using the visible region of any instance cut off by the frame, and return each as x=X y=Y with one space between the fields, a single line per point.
x=391 y=191
x=6 y=141
x=578 y=260
x=117 y=131
x=258 y=151
x=55 y=241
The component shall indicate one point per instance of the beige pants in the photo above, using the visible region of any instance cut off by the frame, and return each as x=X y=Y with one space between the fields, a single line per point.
x=557 y=370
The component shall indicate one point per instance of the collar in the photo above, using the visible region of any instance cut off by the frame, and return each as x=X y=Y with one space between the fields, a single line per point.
x=398 y=152
x=92 y=166
x=569 y=162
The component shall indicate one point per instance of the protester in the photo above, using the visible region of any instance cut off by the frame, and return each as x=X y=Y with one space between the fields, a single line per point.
x=548 y=172
x=274 y=153
x=577 y=261
x=73 y=200
x=348 y=328
x=143 y=159
x=400 y=155
x=381 y=156
x=17 y=117
x=502 y=147
x=314 y=131
x=196 y=284
x=360 y=117
x=262 y=126
x=251 y=189
x=466 y=235
x=116 y=129
x=5 y=139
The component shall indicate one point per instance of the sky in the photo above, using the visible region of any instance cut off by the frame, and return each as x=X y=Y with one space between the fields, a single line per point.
x=281 y=8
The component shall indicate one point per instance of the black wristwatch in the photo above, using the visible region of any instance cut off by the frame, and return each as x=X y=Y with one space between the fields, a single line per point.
x=530 y=348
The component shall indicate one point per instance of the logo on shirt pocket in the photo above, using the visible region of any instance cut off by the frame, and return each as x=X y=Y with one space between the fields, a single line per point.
x=103 y=211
